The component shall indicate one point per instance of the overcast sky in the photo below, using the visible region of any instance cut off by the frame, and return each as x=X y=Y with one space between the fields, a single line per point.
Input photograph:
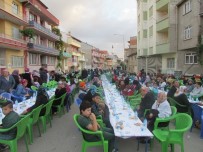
x=96 y=21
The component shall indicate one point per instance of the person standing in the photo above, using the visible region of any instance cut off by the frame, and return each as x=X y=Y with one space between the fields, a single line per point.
x=27 y=75
x=7 y=82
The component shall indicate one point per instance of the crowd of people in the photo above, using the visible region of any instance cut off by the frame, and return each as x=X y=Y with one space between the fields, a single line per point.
x=154 y=89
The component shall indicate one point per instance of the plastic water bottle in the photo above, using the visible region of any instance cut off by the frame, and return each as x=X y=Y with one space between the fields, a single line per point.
x=16 y=103
x=197 y=99
x=144 y=124
x=136 y=115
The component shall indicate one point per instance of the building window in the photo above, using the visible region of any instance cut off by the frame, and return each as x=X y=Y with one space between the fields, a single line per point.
x=151 y=31
x=14 y=8
x=144 y=33
x=151 y=11
x=191 y=58
x=33 y=59
x=2 y=57
x=170 y=63
x=145 y=15
x=187 y=7
x=52 y=60
x=188 y=33
x=17 y=61
x=44 y=60
x=15 y=33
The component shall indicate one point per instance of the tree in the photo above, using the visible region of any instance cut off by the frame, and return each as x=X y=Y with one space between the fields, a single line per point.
x=28 y=33
x=59 y=46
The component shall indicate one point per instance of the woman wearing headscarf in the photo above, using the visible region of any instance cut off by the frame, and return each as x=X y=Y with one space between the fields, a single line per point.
x=16 y=77
x=42 y=99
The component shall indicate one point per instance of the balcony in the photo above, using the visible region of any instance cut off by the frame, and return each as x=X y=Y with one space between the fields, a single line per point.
x=162 y=5
x=162 y=48
x=66 y=55
x=39 y=8
x=42 y=49
x=10 y=42
x=74 y=42
x=41 y=30
x=12 y=15
x=162 y=25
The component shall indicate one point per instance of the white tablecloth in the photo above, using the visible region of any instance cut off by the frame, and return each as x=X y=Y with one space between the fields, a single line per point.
x=122 y=117
x=22 y=106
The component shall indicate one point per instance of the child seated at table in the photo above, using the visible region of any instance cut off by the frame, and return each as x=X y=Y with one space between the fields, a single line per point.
x=87 y=120
x=11 y=118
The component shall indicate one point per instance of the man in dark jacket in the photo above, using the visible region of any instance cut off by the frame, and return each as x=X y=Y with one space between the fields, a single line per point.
x=147 y=101
x=27 y=76
x=173 y=89
x=43 y=75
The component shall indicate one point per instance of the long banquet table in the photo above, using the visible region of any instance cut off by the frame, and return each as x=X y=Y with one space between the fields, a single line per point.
x=123 y=119
x=22 y=106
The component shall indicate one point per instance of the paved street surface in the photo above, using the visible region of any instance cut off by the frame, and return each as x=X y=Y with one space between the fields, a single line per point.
x=65 y=137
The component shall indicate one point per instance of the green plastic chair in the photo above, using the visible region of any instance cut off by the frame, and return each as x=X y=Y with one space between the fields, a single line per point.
x=34 y=88
x=47 y=116
x=174 y=136
x=175 y=103
x=85 y=143
x=158 y=120
x=34 y=119
x=60 y=107
x=21 y=131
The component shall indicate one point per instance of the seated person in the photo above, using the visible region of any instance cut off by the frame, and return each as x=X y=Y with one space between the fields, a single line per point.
x=82 y=87
x=61 y=90
x=42 y=99
x=190 y=86
x=198 y=90
x=182 y=99
x=173 y=89
x=8 y=121
x=161 y=109
x=147 y=101
x=87 y=120
x=22 y=90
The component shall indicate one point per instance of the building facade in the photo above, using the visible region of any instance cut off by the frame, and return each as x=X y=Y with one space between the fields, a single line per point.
x=41 y=49
x=131 y=55
x=168 y=35
x=189 y=34
x=12 y=44
x=87 y=49
x=74 y=45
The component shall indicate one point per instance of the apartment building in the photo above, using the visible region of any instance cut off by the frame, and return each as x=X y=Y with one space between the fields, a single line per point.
x=74 y=45
x=41 y=49
x=156 y=25
x=96 y=58
x=131 y=55
x=87 y=48
x=12 y=44
x=104 y=54
x=66 y=55
x=82 y=63
x=189 y=32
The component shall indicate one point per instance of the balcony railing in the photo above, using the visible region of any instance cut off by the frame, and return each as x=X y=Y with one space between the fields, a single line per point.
x=43 y=29
x=162 y=5
x=12 y=42
x=67 y=55
x=43 y=49
x=162 y=48
x=82 y=59
x=40 y=6
x=162 y=25
x=10 y=13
